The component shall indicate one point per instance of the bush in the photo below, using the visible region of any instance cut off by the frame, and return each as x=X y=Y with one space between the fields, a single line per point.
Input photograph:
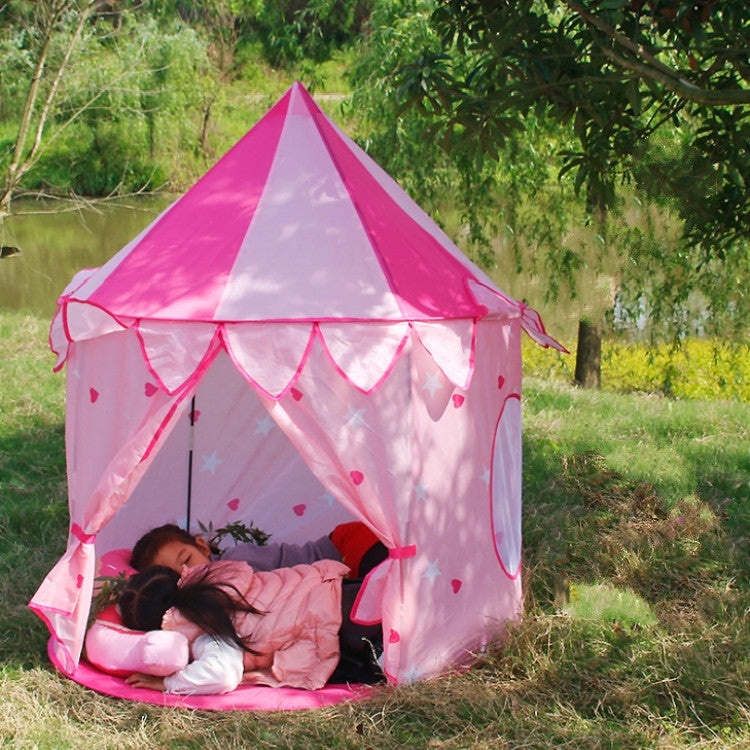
x=698 y=369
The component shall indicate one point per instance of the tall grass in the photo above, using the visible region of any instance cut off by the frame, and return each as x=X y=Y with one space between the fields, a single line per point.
x=636 y=573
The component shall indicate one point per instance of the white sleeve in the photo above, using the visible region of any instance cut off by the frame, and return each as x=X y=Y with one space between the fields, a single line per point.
x=217 y=667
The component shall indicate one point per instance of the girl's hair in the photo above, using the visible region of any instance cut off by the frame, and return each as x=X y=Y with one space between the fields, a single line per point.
x=148 y=546
x=205 y=602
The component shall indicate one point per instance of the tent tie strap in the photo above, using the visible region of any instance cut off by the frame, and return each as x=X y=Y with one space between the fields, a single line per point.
x=81 y=535
x=401 y=553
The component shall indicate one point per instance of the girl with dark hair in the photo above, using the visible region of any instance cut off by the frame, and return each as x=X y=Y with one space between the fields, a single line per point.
x=278 y=628
x=351 y=543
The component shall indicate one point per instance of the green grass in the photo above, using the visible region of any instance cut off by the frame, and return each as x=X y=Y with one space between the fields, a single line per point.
x=636 y=575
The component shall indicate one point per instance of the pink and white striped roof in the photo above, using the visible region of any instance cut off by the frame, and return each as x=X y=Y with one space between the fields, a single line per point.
x=295 y=224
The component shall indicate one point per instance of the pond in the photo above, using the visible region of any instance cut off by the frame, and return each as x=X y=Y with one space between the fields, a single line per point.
x=57 y=239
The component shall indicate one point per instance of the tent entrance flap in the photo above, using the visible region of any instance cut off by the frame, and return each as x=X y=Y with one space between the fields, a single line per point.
x=226 y=461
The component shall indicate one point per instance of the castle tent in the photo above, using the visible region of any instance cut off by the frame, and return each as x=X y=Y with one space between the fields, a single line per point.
x=295 y=343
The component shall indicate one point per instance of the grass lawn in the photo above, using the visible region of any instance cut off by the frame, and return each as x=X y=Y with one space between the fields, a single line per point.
x=637 y=580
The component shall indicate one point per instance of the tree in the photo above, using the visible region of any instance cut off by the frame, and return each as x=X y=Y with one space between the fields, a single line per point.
x=86 y=86
x=39 y=100
x=648 y=96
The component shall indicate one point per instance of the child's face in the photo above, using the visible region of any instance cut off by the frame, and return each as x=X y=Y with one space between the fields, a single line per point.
x=176 y=555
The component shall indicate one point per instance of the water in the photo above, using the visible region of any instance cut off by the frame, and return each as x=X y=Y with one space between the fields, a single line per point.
x=55 y=242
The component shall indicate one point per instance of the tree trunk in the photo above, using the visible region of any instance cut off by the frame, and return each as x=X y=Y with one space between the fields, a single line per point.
x=589 y=355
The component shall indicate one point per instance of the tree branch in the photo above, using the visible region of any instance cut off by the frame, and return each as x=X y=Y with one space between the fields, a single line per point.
x=654 y=69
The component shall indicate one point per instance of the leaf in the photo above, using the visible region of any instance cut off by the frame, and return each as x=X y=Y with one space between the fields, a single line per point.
x=633 y=92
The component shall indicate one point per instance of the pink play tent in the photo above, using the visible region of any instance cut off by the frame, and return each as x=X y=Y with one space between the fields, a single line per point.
x=295 y=343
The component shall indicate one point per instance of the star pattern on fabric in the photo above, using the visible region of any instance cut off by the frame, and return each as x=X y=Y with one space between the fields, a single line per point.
x=486 y=476
x=432 y=383
x=355 y=417
x=412 y=674
x=328 y=498
x=432 y=571
x=264 y=426
x=420 y=491
x=211 y=463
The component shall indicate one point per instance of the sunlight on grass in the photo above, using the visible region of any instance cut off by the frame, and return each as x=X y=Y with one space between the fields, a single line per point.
x=602 y=602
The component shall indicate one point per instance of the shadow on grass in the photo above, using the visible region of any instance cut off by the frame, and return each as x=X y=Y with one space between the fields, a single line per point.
x=584 y=522
x=33 y=529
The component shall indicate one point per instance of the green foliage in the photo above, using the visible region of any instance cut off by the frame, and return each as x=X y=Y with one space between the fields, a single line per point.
x=107 y=591
x=116 y=126
x=619 y=80
x=238 y=531
x=697 y=369
x=291 y=30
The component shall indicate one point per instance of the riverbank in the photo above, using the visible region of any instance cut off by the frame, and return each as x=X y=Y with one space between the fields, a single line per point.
x=636 y=575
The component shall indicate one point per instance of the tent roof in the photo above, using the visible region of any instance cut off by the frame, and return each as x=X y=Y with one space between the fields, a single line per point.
x=294 y=224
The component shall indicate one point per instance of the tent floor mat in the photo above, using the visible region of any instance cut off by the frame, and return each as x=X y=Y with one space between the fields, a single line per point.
x=243 y=698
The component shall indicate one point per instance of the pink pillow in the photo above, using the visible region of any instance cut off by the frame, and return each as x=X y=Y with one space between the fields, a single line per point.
x=117 y=650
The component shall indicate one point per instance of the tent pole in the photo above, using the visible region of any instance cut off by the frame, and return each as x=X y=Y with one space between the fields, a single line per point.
x=190 y=463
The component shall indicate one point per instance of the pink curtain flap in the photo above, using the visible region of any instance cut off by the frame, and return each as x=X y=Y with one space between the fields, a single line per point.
x=58 y=341
x=451 y=344
x=175 y=351
x=269 y=354
x=84 y=321
x=532 y=324
x=63 y=599
x=364 y=353
x=108 y=450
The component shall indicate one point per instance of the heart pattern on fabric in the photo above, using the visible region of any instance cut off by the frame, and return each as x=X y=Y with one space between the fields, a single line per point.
x=299 y=510
x=458 y=400
x=234 y=503
x=150 y=389
x=394 y=637
x=296 y=395
x=357 y=476
x=500 y=382
x=93 y=395
x=79 y=581
x=456 y=584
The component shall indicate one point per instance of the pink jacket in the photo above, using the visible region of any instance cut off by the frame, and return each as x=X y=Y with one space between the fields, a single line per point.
x=299 y=632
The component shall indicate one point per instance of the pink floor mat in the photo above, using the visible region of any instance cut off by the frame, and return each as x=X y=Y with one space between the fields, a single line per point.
x=243 y=698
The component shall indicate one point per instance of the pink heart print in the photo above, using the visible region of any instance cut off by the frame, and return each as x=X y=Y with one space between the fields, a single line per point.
x=456 y=585
x=357 y=476
x=300 y=509
x=150 y=389
x=296 y=395
x=234 y=503
x=458 y=400
x=394 y=637
x=93 y=395
x=500 y=382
